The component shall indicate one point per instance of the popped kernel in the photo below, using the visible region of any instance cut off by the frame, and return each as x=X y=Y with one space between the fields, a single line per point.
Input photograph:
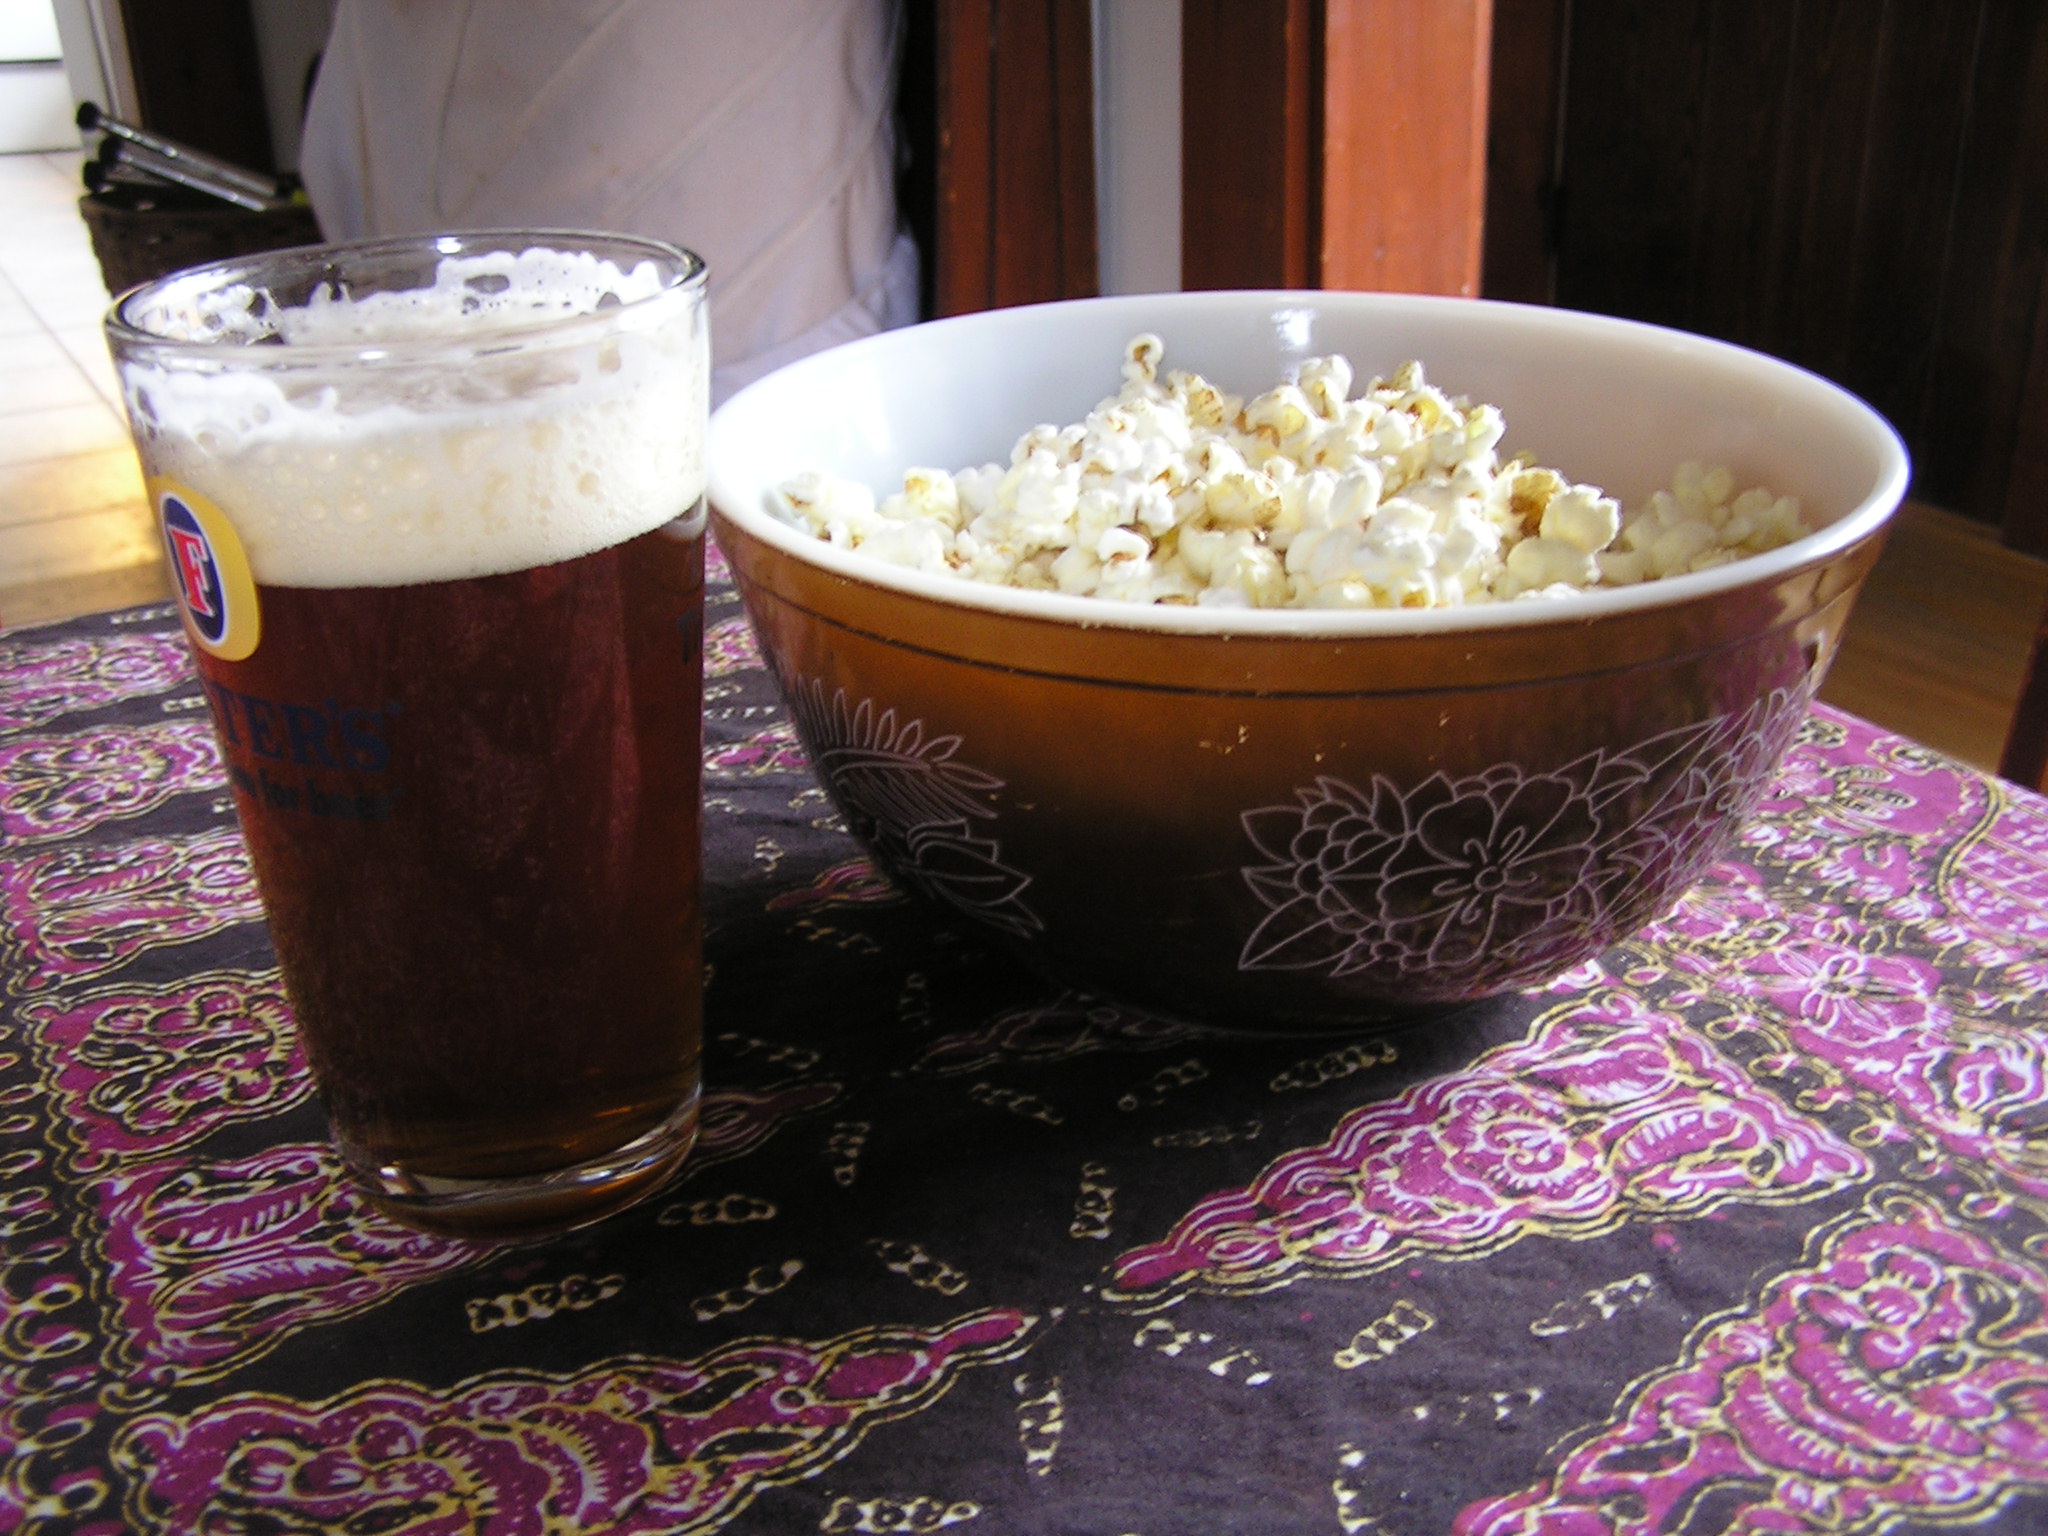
x=1175 y=491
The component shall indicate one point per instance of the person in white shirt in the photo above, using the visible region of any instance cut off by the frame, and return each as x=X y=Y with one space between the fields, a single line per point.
x=758 y=133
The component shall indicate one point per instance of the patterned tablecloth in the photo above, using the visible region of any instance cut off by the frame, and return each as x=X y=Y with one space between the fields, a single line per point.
x=1742 y=1227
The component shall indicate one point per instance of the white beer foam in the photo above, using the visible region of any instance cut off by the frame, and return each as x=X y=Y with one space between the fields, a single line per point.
x=471 y=465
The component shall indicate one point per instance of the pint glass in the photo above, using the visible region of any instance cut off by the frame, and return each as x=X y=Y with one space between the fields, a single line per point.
x=433 y=509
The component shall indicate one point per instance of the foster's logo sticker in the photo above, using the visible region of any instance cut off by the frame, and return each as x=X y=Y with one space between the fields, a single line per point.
x=209 y=573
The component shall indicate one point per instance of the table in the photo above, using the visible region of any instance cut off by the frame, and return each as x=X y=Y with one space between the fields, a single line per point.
x=1742 y=1226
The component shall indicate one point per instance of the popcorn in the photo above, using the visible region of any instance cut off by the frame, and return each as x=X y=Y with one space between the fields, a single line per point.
x=1172 y=491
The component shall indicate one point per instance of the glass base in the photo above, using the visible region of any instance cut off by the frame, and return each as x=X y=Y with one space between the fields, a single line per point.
x=534 y=1204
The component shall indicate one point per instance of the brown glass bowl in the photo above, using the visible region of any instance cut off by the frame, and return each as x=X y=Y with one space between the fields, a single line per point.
x=1301 y=820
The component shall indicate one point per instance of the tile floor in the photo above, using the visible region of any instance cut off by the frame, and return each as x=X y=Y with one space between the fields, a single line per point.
x=75 y=531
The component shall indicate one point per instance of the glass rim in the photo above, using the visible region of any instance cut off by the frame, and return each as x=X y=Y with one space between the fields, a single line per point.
x=125 y=335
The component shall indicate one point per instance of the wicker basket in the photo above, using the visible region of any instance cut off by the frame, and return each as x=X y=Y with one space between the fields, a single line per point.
x=138 y=236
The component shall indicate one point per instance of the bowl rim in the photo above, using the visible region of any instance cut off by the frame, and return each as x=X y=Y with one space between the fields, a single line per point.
x=729 y=503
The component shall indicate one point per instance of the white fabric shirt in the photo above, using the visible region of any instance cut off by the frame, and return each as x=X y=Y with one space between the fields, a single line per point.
x=757 y=133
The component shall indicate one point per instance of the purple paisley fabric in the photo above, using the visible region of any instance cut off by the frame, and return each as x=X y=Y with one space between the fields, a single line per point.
x=1741 y=1227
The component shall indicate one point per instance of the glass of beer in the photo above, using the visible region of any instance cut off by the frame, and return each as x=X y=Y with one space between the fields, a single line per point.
x=434 y=514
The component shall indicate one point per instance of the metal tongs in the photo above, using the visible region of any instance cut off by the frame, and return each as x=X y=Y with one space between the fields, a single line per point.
x=131 y=156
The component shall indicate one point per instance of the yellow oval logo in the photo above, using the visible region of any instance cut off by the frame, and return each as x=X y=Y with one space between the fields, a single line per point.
x=209 y=573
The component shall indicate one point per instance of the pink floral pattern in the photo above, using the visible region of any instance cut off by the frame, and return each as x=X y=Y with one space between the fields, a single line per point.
x=773 y=748
x=212 y=1264
x=854 y=883
x=1882 y=1028
x=1606 y=1112
x=44 y=680
x=729 y=647
x=914 y=1161
x=59 y=786
x=140 y=1070
x=78 y=912
x=625 y=1447
x=1900 y=1373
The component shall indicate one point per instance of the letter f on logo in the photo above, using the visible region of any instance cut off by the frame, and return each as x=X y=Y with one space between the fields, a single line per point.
x=210 y=572
x=195 y=568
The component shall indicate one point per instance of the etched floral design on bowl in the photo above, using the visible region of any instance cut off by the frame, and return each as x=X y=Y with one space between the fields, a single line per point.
x=1457 y=887
x=915 y=805
x=1461 y=886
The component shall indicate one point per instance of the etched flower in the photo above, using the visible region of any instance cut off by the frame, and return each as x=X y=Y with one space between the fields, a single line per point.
x=1494 y=858
x=1499 y=878
x=1454 y=874
x=1696 y=797
x=914 y=803
x=1330 y=852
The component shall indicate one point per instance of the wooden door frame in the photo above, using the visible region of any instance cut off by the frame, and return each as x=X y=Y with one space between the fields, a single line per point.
x=1251 y=178
x=1524 y=142
x=1334 y=144
x=1014 y=215
x=1325 y=143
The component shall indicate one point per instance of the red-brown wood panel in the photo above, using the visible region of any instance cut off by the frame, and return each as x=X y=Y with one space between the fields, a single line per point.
x=1024 y=137
x=1251 y=143
x=2025 y=758
x=2024 y=507
x=1733 y=273
x=1404 y=144
x=1633 y=101
x=1523 y=103
x=1073 y=69
x=1334 y=143
x=963 y=256
x=1819 y=184
x=1925 y=67
x=1980 y=412
x=1015 y=219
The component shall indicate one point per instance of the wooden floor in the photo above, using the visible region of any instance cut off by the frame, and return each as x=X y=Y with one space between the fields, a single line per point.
x=1935 y=651
x=1937 y=647
x=75 y=530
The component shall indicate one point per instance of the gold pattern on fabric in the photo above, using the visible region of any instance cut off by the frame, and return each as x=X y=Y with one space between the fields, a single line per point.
x=760 y=1281
x=889 y=1517
x=1607 y=1111
x=632 y=1446
x=1041 y=1421
x=1899 y=1372
x=1384 y=1335
x=210 y=1263
x=538 y=1302
x=142 y=1069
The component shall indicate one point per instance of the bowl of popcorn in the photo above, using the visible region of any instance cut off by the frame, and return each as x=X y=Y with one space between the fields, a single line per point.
x=1298 y=660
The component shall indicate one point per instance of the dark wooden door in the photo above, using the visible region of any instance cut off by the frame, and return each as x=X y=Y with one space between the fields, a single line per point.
x=995 y=103
x=1858 y=185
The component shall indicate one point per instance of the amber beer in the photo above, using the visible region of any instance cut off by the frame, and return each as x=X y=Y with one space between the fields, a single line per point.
x=453 y=661
x=490 y=973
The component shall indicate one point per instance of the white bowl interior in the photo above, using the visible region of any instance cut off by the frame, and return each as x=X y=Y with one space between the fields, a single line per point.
x=1608 y=402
